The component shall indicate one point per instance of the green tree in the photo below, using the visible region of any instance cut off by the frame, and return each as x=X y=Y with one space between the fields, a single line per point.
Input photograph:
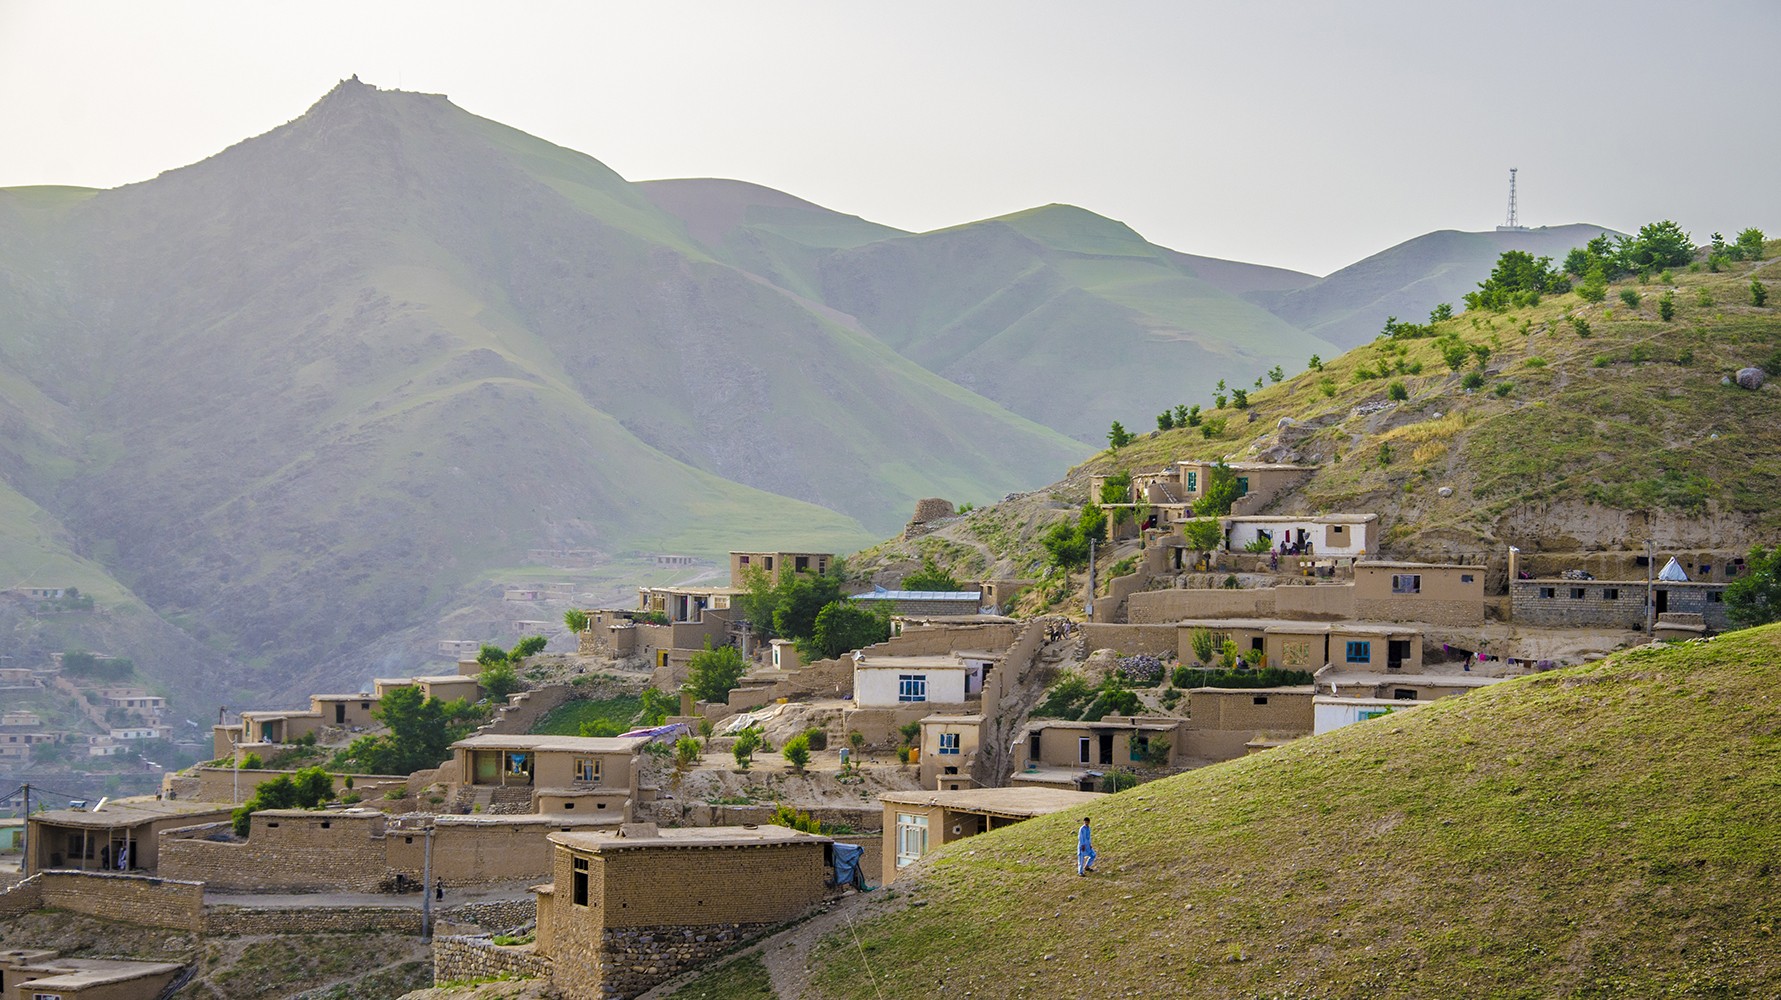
x=910 y=732
x=747 y=742
x=1666 y=306
x=686 y=752
x=654 y=707
x=1455 y=353
x=801 y=597
x=1658 y=245
x=1219 y=494
x=1315 y=364
x=845 y=626
x=759 y=599
x=1755 y=597
x=1397 y=391
x=490 y=654
x=528 y=646
x=797 y=751
x=1202 y=534
x=1441 y=313
x=1193 y=417
x=1165 y=421
x=1759 y=293
x=1276 y=374
x=713 y=672
x=1240 y=398
x=576 y=620
x=1181 y=415
x=1203 y=645
x=1117 y=436
x=499 y=680
x=931 y=577
x=1594 y=287
x=1750 y=244
x=1117 y=488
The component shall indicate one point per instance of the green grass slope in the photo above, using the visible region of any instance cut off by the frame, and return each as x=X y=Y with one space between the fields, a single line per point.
x=1604 y=831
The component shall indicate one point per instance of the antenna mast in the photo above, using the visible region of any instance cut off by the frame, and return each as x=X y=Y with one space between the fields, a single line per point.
x=1513 y=224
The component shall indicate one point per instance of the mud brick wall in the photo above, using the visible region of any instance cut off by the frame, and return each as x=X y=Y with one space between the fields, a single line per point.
x=1130 y=640
x=22 y=898
x=456 y=958
x=283 y=853
x=133 y=899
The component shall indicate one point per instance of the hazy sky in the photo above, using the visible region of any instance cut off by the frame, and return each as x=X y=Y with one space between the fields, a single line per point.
x=1300 y=134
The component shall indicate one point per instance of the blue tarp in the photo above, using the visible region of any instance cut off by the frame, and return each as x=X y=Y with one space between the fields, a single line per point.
x=847 y=865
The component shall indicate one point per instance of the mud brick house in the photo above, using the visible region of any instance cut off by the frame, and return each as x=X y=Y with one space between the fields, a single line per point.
x=916 y=823
x=33 y=974
x=1326 y=536
x=624 y=912
x=1070 y=754
x=122 y=830
x=948 y=750
x=581 y=774
x=923 y=602
x=1436 y=593
x=743 y=564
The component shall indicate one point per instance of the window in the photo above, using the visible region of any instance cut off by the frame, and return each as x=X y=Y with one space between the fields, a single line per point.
x=1193 y=482
x=1548 y=592
x=1082 y=750
x=1714 y=597
x=1406 y=583
x=1403 y=694
x=1260 y=699
x=1140 y=747
x=912 y=687
x=801 y=564
x=1465 y=578
x=1033 y=747
x=1577 y=593
x=1242 y=486
x=579 y=880
x=949 y=743
x=587 y=769
x=1360 y=651
x=912 y=838
x=1610 y=593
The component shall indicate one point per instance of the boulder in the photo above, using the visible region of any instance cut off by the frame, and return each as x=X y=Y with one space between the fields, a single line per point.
x=1750 y=378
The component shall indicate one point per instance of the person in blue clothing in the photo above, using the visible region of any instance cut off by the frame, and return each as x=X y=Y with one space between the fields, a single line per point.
x=1085 y=850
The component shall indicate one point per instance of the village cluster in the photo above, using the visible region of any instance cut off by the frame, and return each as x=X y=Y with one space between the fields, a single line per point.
x=604 y=864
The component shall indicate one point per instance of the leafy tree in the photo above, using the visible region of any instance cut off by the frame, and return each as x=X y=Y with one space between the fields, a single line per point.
x=600 y=728
x=528 y=646
x=845 y=626
x=747 y=742
x=251 y=762
x=1193 y=416
x=1276 y=374
x=1066 y=542
x=1755 y=598
x=796 y=819
x=1749 y=244
x=931 y=577
x=1117 y=488
x=801 y=597
x=1112 y=698
x=1117 y=436
x=797 y=751
x=1219 y=400
x=758 y=600
x=712 y=673
x=1759 y=293
x=1397 y=391
x=1519 y=278
x=1165 y=421
x=1658 y=245
x=1630 y=297
x=421 y=731
x=1220 y=492
x=1240 y=398
x=1315 y=364
x=1203 y=645
x=1594 y=287
x=686 y=752
x=576 y=620
x=1455 y=352
x=1202 y=534
x=1442 y=312
x=910 y=732
x=1666 y=306
x=654 y=707
x=1181 y=415
x=499 y=680
x=306 y=789
x=491 y=654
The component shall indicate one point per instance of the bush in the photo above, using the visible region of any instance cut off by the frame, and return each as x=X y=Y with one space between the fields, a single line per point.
x=910 y=732
x=1581 y=325
x=1504 y=388
x=817 y=737
x=1240 y=398
x=794 y=819
x=797 y=751
x=1473 y=380
x=713 y=672
x=1703 y=298
x=1759 y=293
x=1666 y=306
x=1192 y=677
x=499 y=680
x=1630 y=297
x=747 y=742
x=252 y=762
x=686 y=751
x=1397 y=391
x=1749 y=245
x=1257 y=546
x=395 y=794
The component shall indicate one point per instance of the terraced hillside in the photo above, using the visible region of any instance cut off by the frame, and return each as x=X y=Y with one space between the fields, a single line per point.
x=1603 y=831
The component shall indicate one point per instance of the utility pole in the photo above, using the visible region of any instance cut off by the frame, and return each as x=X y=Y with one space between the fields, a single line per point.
x=427 y=887
x=1650 y=590
x=25 y=842
x=1089 y=606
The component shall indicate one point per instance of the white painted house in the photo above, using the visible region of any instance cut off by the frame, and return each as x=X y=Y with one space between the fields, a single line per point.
x=1334 y=536
x=1329 y=712
x=889 y=681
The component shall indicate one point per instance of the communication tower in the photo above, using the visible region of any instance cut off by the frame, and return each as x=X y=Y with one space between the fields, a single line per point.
x=1514 y=224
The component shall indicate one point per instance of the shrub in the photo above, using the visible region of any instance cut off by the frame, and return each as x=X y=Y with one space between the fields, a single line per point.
x=1504 y=388
x=1666 y=306
x=395 y=794
x=1315 y=364
x=1581 y=325
x=1240 y=398
x=576 y=620
x=686 y=751
x=1535 y=361
x=1704 y=299
x=1212 y=428
x=498 y=679
x=795 y=819
x=350 y=798
x=1257 y=545
x=1327 y=386
x=1759 y=293
x=747 y=742
x=1749 y=244
x=1473 y=380
x=252 y=762
x=817 y=737
x=1397 y=391
x=1165 y=421
x=1119 y=780
x=910 y=732
x=1385 y=453
x=1630 y=297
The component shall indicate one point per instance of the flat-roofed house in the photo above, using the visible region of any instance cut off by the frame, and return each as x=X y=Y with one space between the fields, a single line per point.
x=1437 y=593
x=916 y=823
x=742 y=564
x=560 y=773
x=118 y=835
x=1076 y=754
x=1325 y=536
x=948 y=750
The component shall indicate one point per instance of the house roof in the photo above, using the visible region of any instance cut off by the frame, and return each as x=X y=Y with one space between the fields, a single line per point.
x=963 y=720
x=1372 y=564
x=1148 y=725
x=1300 y=519
x=918 y=595
x=81 y=973
x=130 y=812
x=939 y=661
x=688 y=837
x=568 y=744
x=1295 y=689
x=1250 y=466
x=1410 y=680
x=1011 y=801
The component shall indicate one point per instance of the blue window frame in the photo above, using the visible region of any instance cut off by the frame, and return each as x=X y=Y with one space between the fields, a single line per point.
x=912 y=687
x=1193 y=482
x=949 y=743
x=1360 y=651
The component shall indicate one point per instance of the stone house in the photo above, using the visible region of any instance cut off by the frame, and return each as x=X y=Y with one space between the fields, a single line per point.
x=1436 y=593
x=923 y=602
x=123 y=829
x=917 y=823
x=558 y=774
x=625 y=912
x=948 y=750
x=775 y=563
x=1613 y=604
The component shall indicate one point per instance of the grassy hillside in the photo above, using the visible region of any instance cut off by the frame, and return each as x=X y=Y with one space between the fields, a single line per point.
x=1349 y=306
x=1603 y=831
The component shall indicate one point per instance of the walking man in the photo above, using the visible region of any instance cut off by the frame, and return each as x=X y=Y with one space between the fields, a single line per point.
x=1085 y=850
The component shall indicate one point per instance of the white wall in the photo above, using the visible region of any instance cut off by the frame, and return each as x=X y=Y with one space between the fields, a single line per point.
x=1244 y=532
x=1334 y=715
x=876 y=687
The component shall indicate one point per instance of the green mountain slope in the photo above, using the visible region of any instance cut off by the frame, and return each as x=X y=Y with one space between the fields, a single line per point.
x=1350 y=306
x=1603 y=831
x=310 y=392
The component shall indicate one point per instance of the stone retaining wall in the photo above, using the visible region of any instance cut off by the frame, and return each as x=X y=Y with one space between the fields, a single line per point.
x=634 y=959
x=496 y=915
x=456 y=958
x=21 y=898
x=133 y=899
x=312 y=919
